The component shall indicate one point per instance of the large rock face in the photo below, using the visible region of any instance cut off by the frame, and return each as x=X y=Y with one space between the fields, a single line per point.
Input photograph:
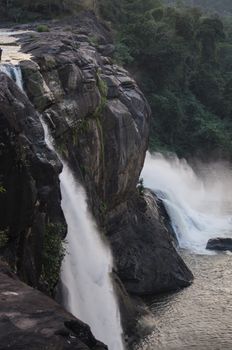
x=97 y=114
x=30 y=196
x=31 y=321
x=100 y=122
x=144 y=250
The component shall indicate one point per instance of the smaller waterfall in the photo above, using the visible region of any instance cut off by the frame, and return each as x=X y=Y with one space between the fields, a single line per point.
x=86 y=268
x=87 y=286
x=13 y=72
x=199 y=206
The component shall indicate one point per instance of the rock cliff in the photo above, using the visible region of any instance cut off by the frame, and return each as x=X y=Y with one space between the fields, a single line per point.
x=100 y=123
x=30 y=196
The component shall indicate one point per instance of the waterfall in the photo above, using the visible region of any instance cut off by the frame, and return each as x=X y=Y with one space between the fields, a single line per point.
x=87 y=287
x=13 y=72
x=198 y=204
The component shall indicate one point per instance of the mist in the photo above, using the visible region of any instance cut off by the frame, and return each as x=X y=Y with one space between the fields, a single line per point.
x=198 y=201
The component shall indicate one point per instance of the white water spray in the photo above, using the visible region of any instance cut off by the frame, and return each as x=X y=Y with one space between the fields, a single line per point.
x=85 y=274
x=200 y=206
x=13 y=72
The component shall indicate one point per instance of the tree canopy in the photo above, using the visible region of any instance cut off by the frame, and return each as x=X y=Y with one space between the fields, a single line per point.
x=182 y=58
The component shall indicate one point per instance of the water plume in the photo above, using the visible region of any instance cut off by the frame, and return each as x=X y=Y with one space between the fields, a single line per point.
x=198 y=201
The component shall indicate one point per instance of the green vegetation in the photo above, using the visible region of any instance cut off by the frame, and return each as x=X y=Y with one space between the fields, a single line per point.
x=103 y=89
x=2 y=188
x=4 y=237
x=93 y=40
x=140 y=187
x=97 y=115
x=25 y=10
x=103 y=209
x=53 y=254
x=184 y=60
x=220 y=6
x=42 y=28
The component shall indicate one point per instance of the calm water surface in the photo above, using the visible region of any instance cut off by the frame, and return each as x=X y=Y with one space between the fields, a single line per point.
x=198 y=317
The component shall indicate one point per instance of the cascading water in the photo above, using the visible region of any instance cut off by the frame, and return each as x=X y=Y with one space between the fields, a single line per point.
x=199 y=206
x=87 y=287
x=13 y=72
x=86 y=268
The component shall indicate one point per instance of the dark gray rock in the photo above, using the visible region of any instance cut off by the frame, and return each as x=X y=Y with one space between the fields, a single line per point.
x=146 y=259
x=222 y=244
x=98 y=115
x=107 y=50
x=31 y=321
x=29 y=174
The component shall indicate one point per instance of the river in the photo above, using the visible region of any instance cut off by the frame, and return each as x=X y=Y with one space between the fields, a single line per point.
x=198 y=317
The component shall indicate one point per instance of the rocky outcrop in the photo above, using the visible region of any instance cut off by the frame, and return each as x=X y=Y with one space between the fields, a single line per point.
x=145 y=255
x=30 y=195
x=31 y=321
x=100 y=123
x=98 y=116
x=222 y=244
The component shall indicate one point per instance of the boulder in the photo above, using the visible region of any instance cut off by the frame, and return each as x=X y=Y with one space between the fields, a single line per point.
x=222 y=244
x=29 y=320
x=145 y=254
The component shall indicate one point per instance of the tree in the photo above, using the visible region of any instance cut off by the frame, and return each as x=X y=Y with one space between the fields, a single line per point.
x=210 y=32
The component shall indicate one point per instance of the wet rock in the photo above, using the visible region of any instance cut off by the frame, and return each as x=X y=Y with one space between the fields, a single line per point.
x=146 y=259
x=29 y=175
x=31 y=321
x=83 y=332
x=107 y=50
x=36 y=87
x=222 y=244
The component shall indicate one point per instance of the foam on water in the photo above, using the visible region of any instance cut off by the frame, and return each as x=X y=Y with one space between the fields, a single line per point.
x=199 y=204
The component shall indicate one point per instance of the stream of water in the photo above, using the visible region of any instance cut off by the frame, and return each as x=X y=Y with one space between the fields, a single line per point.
x=88 y=291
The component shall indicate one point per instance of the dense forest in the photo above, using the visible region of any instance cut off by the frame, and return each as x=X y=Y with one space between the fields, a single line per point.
x=183 y=60
x=27 y=10
x=181 y=57
x=221 y=6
